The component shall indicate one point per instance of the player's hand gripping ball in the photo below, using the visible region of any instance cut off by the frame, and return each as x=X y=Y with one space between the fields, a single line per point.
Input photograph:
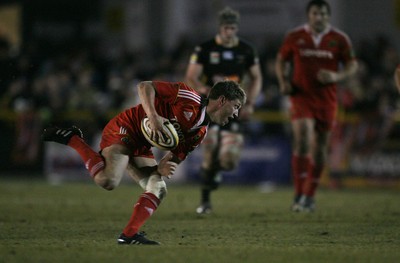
x=169 y=141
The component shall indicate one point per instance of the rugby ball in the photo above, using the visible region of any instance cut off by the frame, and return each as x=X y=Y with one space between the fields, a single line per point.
x=168 y=142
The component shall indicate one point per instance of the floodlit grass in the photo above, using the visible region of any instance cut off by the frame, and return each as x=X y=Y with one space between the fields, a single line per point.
x=80 y=223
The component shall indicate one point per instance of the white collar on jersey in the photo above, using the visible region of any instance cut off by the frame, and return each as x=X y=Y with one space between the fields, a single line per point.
x=317 y=38
x=201 y=119
x=234 y=42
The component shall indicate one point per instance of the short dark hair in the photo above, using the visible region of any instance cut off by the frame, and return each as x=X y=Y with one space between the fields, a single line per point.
x=229 y=89
x=319 y=4
x=228 y=16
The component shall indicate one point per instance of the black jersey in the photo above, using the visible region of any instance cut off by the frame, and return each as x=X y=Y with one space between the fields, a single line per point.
x=221 y=62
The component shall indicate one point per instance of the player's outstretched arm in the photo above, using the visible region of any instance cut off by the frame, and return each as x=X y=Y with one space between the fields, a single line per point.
x=147 y=94
x=192 y=78
x=252 y=92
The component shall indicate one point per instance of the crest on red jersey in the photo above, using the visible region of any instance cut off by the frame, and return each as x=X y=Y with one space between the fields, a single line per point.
x=188 y=115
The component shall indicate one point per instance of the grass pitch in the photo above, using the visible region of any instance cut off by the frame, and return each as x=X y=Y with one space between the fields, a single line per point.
x=79 y=222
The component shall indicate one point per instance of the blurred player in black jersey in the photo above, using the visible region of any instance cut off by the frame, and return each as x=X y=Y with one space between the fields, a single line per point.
x=225 y=56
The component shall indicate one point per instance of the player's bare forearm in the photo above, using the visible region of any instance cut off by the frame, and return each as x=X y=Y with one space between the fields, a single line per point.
x=197 y=85
x=282 y=70
x=285 y=86
x=253 y=89
x=192 y=78
x=255 y=85
x=329 y=76
x=349 y=70
x=147 y=95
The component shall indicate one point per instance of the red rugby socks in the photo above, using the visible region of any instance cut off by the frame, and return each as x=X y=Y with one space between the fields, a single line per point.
x=94 y=162
x=142 y=210
x=300 y=169
x=313 y=179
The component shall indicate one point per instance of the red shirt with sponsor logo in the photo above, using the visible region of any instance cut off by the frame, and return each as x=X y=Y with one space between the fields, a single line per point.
x=180 y=104
x=309 y=54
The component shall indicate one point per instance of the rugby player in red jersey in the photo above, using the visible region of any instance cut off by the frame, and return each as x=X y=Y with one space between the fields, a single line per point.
x=312 y=59
x=226 y=56
x=124 y=147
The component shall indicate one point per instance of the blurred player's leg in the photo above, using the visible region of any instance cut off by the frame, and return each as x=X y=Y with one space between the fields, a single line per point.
x=210 y=180
x=225 y=158
x=320 y=151
x=117 y=156
x=209 y=169
x=300 y=167
x=303 y=133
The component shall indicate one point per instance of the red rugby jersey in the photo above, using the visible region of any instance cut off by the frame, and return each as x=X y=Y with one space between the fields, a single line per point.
x=309 y=54
x=180 y=104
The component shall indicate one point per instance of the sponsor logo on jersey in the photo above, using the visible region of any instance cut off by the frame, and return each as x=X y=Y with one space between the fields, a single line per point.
x=227 y=55
x=318 y=53
x=178 y=129
x=214 y=58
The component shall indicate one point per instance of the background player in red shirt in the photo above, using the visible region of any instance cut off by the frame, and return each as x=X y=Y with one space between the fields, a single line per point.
x=318 y=56
x=225 y=56
x=124 y=147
